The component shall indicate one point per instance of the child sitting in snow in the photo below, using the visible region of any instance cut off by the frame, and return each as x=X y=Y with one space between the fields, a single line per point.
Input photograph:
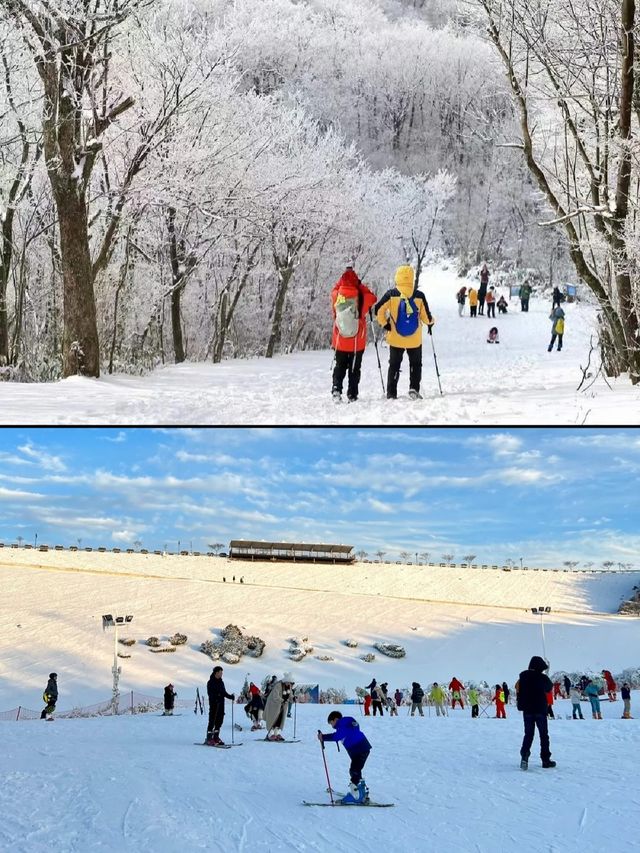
x=502 y=305
x=492 y=337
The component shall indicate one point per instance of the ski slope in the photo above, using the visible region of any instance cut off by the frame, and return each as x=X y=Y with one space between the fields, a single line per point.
x=138 y=784
x=516 y=382
x=475 y=624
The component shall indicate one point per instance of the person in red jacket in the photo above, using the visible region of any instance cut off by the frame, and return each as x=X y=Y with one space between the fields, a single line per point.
x=550 y=704
x=557 y=694
x=367 y=705
x=612 y=687
x=499 y=700
x=351 y=301
x=456 y=687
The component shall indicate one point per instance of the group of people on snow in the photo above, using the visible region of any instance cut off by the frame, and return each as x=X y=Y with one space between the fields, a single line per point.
x=402 y=312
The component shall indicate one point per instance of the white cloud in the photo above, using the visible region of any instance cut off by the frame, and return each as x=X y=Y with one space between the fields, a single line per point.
x=526 y=476
x=41 y=457
x=15 y=494
x=380 y=506
x=124 y=535
x=118 y=439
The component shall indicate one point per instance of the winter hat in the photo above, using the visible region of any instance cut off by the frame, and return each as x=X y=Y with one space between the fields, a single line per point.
x=538 y=664
x=53 y=675
x=404 y=276
x=288 y=678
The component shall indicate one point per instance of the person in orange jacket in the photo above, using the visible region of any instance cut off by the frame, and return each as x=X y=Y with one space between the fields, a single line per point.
x=612 y=687
x=351 y=301
x=499 y=699
x=456 y=687
x=367 y=705
x=550 y=704
x=473 y=302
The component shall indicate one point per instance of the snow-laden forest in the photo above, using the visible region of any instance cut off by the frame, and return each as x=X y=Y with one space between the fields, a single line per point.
x=186 y=179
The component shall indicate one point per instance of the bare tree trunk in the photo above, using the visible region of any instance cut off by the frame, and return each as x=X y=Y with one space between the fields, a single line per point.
x=80 y=346
x=285 y=274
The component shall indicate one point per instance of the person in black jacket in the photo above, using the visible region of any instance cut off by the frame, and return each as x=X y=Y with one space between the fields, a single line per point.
x=169 y=700
x=417 y=695
x=217 y=694
x=532 y=688
x=50 y=697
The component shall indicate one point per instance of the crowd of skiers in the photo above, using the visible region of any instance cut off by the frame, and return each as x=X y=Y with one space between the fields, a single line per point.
x=402 y=311
x=378 y=698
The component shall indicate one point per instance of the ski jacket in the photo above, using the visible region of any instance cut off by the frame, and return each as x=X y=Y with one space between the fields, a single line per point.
x=575 y=695
x=499 y=697
x=372 y=685
x=473 y=696
x=387 y=314
x=169 y=696
x=417 y=693
x=506 y=691
x=625 y=692
x=348 y=731
x=592 y=691
x=461 y=295
x=611 y=684
x=398 y=697
x=473 y=296
x=556 y=316
x=51 y=691
x=436 y=694
x=349 y=286
x=456 y=685
x=216 y=691
x=491 y=296
x=484 y=277
x=533 y=686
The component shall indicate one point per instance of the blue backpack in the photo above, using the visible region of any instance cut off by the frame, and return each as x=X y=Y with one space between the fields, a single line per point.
x=408 y=317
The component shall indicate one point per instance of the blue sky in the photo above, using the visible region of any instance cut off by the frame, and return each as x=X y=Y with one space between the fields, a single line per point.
x=546 y=495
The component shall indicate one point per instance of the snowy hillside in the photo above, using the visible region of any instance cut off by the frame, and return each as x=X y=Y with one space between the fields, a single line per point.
x=517 y=382
x=52 y=604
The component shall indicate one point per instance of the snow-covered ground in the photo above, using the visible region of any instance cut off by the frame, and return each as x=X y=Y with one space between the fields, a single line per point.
x=138 y=784
x=517 y=382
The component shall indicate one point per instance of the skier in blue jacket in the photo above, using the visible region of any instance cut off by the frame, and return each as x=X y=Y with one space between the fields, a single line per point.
x=346 y=729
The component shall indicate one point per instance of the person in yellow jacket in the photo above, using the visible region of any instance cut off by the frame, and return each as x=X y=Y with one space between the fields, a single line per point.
x=473 y=302
x=436 y=695
x=401 y=312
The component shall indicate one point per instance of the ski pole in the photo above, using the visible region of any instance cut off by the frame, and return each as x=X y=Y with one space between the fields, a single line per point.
x=326 y=769
x=195 y=710
x=435 y=358
x=375 y=343
x=233 y=702
x=295 y=716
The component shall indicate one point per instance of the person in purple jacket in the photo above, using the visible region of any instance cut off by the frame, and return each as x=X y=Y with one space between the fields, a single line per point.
x=357 y=746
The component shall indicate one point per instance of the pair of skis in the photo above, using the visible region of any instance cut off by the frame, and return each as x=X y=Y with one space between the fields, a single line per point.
x=337 y=802
x=216 y=745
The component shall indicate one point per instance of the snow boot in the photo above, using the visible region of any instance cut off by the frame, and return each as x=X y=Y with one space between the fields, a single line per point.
x=337 y=396
x=548 y=763
x=599 y=715
x=415 y=395
x=524 y=764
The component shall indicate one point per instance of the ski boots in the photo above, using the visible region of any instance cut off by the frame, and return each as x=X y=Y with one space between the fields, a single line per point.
x=352 y=797
x=524 y=763
x=415 y=395
x=547 y=764
x=337 y=396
